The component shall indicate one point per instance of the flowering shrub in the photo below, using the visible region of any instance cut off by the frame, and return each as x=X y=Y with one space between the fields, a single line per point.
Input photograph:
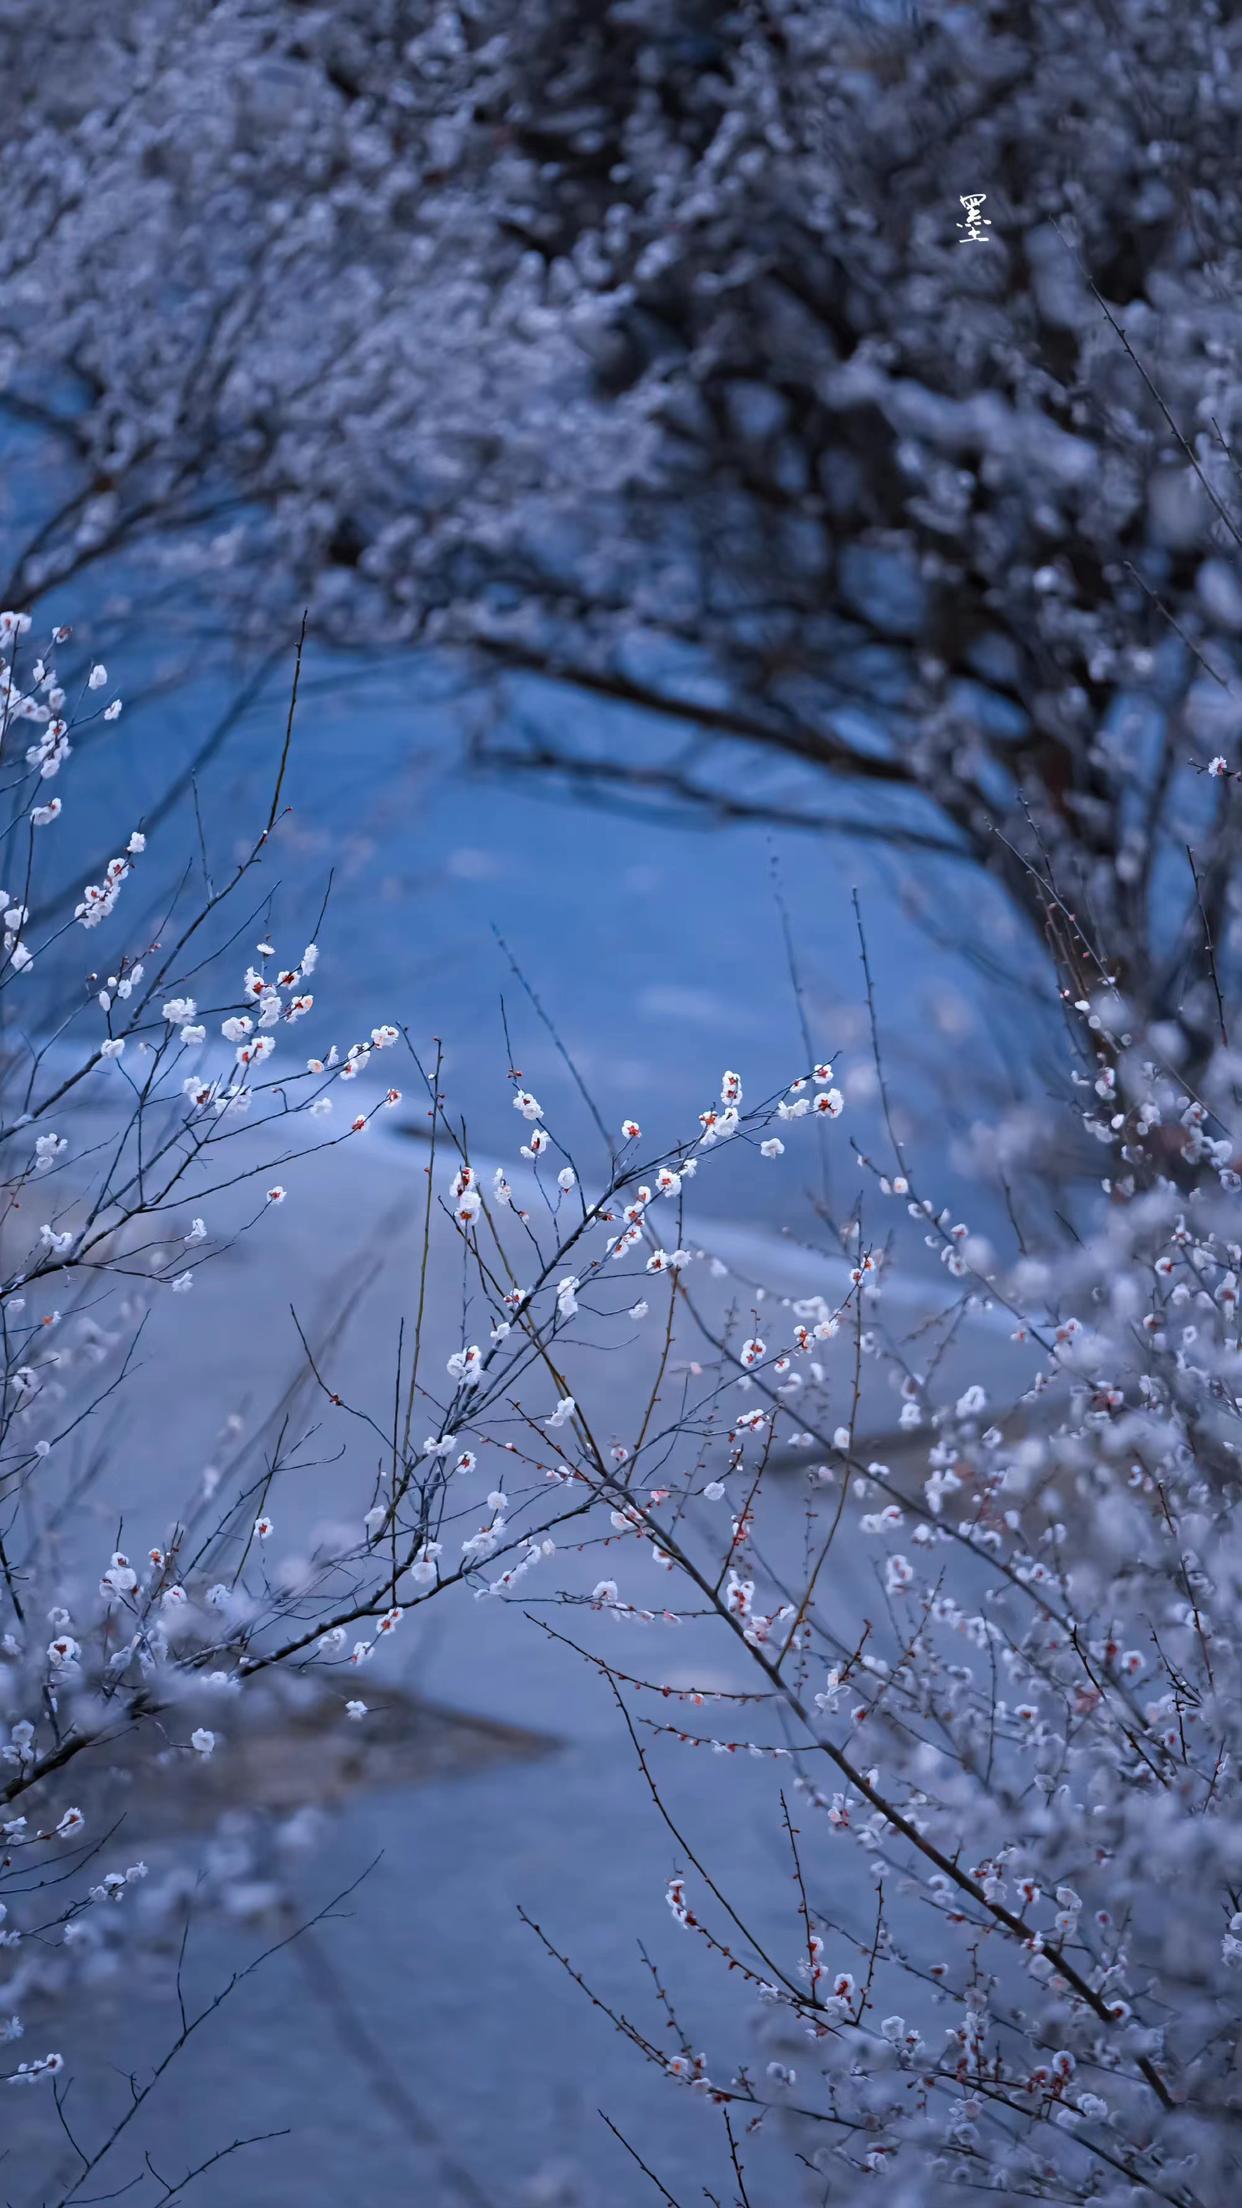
x=712 y=410
x=1026 y=1741
x=143 y=1100
x=1031 y=1738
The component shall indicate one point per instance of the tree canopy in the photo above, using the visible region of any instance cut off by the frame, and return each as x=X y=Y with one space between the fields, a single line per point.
x=642 y=349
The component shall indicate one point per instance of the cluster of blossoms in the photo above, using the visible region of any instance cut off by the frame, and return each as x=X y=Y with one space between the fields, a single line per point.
x=151 y=1644
x=1027 y=1731
x=34 y=693
x=98 y=899
x=144 y=1646
x=1027 y=1722
x=1030 y=1729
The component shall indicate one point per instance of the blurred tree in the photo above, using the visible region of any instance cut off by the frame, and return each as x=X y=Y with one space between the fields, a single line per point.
x=639 y=347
